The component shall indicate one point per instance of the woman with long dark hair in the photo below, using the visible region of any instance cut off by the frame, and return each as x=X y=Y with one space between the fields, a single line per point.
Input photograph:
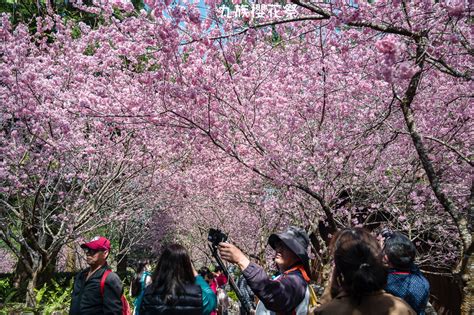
x=177 y=288
x=139 y=284
x=359 y=277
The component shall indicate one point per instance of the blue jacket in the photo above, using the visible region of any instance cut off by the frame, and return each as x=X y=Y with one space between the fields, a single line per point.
x=410 y=286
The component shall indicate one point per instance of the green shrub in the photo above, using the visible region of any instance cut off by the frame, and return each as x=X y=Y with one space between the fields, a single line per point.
x=231 y=294
x=16 y=309
x=126 y=292
x=53 y=297
x=7 y=291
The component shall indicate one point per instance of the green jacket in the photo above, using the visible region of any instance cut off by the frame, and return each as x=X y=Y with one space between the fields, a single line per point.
x=209 y=300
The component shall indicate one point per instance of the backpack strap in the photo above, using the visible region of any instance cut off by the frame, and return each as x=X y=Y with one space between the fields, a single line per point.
x=313 y=298
x=102 y=282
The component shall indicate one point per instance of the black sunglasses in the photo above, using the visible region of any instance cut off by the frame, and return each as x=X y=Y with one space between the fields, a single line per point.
x=91 y=252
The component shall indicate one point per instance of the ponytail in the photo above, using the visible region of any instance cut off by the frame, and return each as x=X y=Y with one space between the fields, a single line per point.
x=359 y=264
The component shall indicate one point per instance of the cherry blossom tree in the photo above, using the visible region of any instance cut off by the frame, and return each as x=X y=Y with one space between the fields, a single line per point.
x=349 y=113
x=66 y=169
x=371 y=98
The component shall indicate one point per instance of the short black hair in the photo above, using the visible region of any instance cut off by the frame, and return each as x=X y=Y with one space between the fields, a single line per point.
x=400 y=251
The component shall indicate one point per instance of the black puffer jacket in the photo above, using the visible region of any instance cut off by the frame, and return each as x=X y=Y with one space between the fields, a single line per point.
x=189 y=303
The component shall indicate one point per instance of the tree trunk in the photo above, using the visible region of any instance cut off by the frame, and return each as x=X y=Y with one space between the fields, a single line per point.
x=122 y=265
x=321 y=253
x=124 y=247
x=42 y=270
x=70 y=258
x=32 y=283
x=46 y=274
x=33 y=270
x=460 y=221
x=468 y=289
x=448 y=205
x=20 y=279
x=30 y=291
x=21 y=274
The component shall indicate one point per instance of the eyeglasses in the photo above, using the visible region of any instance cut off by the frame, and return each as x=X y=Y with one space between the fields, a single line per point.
x=91 y=252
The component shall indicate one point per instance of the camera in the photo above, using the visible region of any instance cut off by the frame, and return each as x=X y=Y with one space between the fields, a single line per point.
x=216 y=236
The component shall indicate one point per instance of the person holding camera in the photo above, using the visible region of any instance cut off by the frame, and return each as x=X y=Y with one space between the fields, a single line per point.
x=287 y=293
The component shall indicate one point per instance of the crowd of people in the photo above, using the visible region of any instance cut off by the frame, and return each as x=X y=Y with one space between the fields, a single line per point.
x=368 y=276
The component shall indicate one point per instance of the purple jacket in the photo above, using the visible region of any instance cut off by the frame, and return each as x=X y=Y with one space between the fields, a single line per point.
x=282 y=295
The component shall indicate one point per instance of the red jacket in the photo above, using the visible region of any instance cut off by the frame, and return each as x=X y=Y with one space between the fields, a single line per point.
x=221 y=280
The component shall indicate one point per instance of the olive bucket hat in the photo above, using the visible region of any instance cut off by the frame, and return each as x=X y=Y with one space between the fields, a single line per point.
x=297 y=240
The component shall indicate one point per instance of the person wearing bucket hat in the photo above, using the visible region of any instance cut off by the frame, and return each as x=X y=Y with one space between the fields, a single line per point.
x=86 y=295
x=296 y=240
x=287 y=293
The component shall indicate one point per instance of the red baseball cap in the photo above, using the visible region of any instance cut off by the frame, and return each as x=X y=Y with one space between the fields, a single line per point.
x=97 y=243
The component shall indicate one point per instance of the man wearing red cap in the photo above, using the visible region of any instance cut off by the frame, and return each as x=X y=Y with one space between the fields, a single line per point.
x=87 y=297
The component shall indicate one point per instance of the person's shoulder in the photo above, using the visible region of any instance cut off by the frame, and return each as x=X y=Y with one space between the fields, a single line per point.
x=81 y=273
x=222 y=278
x=399 y=305
x=421 y=285
x=294 y=275
x=199 y=280
x=421 y=279
x=112 y=277
x=193 y=289
x=334 y=306
x=388 y=296
x=148 y=279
